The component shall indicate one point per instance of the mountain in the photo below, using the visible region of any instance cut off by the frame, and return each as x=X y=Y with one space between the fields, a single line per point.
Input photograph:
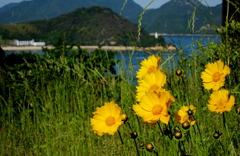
x=173 y=17
x=8 y=7
x=46 y=9
x=86 y=26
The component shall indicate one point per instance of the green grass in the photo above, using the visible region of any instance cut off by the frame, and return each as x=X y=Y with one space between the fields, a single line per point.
x=52 y=117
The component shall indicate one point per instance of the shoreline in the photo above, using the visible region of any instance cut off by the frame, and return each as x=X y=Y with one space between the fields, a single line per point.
x=165 y=34
x=116 y=48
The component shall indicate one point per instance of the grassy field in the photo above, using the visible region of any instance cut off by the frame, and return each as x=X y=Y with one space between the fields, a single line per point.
x=47 y=102
x=46 y=107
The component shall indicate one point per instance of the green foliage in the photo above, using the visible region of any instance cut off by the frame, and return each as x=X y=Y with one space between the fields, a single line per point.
x=227 y=50
x=46 y=9
x=86 y=26
x=47 y=105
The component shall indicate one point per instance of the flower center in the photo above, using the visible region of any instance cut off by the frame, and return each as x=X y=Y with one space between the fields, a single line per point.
x=154 y=87
x=157 y=109
x=216 y=76
x=221 y=104
x=151 y=69
x=110 y=121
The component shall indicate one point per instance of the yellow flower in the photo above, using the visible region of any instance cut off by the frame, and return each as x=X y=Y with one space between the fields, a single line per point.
x=107 y=119
x=182 y=115
x=214 y=75
x=151 y=82
x=153 y=108
x=148 y=66
x=171 y=99
x=220 y=102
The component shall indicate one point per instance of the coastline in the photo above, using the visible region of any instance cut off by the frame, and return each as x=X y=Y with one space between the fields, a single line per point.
x=116 y=48
x=165 y=34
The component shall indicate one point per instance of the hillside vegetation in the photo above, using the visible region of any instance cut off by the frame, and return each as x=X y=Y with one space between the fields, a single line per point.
x=46 y=9
x=176 y=16
x=86 y=26
x=172 y=17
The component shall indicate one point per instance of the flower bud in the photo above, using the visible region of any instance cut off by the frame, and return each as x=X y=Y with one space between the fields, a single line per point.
x=179 y=72
x=190 y=112
x=217 y=134
x=186 y=125
x=134 y=134
x=178 y=134
x=149 y=147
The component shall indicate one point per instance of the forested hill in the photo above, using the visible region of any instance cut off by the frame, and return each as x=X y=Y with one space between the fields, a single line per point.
x=8 y=7
x=174 y=16
x=46 y=9
x=86 y=26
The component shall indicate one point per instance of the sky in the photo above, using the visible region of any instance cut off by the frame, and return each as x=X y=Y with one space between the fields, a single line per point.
x=143 y=3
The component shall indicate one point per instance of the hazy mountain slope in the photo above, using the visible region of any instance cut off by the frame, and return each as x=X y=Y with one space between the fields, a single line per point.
x=173 y=16
x=87 y=26
x=45 y=9
x=8 y=7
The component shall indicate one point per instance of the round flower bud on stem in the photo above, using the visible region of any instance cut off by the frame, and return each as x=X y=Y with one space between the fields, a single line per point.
x=186 y=125
x=179 y=72
x=134 y=134
x=217 y=134
x=149 y=147
x=190 y=112
x=178 y=134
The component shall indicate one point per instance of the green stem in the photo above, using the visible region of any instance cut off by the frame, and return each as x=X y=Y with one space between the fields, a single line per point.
x=155 y=152
x=203 y=146
x=226 y=134
x=120 y=137
x=129 y=126
x=135 y=142
x=160 y=128
x=224 y=120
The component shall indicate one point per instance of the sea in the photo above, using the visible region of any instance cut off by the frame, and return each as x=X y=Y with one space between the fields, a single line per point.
x=130 y=60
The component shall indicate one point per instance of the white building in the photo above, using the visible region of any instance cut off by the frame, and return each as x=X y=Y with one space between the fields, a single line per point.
x=28 y=43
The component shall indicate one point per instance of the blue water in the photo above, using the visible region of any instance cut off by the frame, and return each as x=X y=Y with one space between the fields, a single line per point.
x=185 y=43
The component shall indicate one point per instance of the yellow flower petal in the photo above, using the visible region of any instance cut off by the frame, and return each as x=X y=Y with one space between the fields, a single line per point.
x=214 y=75
x=219 y=101
x=107 y=119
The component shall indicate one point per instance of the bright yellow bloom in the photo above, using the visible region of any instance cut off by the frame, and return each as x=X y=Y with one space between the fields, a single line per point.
x=171 y=99
x=148 y=66
x=220 y=102
x=182 y=115
x=107 y=119
x=150 y=83
x=153 y=108
x=214 y=75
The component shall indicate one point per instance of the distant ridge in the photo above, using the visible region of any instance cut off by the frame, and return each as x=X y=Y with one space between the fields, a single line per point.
x=46 y=9
x=8 y=7
x=96 y=25
x=173 y=17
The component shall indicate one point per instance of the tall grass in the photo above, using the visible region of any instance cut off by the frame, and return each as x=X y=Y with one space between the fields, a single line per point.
x=51 y=115
x=46 y=106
